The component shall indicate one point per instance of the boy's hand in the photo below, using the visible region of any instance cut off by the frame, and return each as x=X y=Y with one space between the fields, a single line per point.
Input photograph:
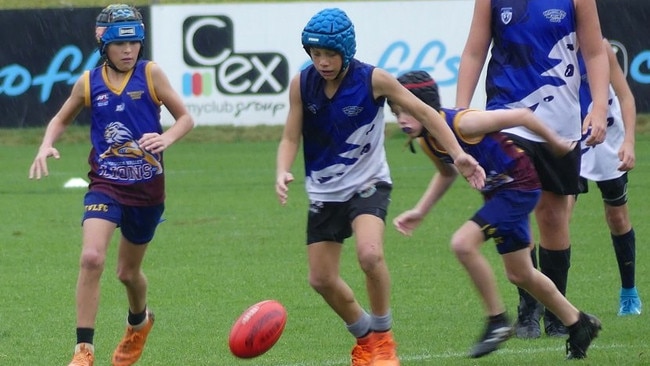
x=281 y=188
x=471 y=170
x=39 y=166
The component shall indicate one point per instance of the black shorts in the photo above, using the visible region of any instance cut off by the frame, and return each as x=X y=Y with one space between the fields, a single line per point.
x=560 y=175
x=332 y=221
x=613 y=191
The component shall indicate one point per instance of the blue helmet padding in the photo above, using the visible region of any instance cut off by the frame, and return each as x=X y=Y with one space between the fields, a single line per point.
x=332 y=29
x=123 y=32
x=119 y=23
x=118 y=13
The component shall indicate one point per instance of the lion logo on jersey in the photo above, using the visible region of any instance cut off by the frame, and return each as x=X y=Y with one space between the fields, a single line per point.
x=122 y=144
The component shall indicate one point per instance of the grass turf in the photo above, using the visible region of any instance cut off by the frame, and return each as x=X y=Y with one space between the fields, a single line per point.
x=226 y=243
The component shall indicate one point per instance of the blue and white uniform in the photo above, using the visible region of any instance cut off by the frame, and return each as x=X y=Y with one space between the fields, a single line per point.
x=534 y=64
x=343 y=136
x=600 y=162
x=119 y=167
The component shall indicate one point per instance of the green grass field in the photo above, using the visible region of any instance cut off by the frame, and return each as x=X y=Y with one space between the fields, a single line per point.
x=226 y=244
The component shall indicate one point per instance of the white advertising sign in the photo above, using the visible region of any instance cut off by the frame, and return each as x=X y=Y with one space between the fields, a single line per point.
x=232 y=63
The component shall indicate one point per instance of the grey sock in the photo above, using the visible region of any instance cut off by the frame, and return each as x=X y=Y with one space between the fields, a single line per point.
x=381 y=323
x=361 y=327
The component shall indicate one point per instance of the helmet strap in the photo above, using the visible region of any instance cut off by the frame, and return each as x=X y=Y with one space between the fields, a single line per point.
x=109 y=63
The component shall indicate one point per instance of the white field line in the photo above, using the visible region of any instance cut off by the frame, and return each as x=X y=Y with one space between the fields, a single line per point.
x=447 y=355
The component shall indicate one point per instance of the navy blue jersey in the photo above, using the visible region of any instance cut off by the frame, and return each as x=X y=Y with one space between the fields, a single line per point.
x=343 y=136
x=120 y=116
x=534 y=63
x=506 y=166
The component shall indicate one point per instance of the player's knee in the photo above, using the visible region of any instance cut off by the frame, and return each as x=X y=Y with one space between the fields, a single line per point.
x=461 y=246
x=519 y=279
x=321 y=283
x=617 y=220
x=92 y=260
x=128 y=275
x=369 y=257
x=552 y=216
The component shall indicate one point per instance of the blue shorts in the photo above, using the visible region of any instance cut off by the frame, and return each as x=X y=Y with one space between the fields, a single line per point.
x=505 y=217
x=138 y=224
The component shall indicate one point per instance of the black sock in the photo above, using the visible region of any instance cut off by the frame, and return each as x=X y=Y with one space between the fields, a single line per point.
x=576 y=325
x=136 y=319
x=526 y=298
x=555 y=265
x=85 y=335
x=625 y=249
x=499 y=318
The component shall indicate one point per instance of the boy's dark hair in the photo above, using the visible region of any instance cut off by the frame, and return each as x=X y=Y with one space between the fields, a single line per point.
x=423 y=86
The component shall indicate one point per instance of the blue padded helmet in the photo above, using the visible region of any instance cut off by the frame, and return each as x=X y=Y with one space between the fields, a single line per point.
x=331 y=29
x=118 y=23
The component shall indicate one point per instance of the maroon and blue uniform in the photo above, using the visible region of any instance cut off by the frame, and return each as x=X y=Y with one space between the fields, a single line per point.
x=120 y=116
x=127 y=183
x=511 y=189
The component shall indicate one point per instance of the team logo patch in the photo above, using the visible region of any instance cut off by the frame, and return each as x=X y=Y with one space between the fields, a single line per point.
x=135 y=95
x=101 y=100
x=506 y=15
x=316 y=206
x=127 y=31
x=555 y=15
x=352 y=110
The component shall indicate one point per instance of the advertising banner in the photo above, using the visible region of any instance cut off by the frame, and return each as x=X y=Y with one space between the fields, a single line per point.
x=232 y=63
x=43 y=53
x=626 y=24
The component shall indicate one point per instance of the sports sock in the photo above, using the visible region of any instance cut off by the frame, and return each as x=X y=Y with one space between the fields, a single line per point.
x=85 y=335
x=137 y=319
x=625 y=249
x=555 y=265
x=499 y=318
x=361 y=327
x=381 y=323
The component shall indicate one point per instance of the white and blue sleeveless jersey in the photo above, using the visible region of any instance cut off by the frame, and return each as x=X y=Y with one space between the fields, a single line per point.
x=600 y=162
x=534 y=63
x=343 y=136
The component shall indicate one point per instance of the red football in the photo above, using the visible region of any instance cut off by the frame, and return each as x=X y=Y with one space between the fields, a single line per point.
x=257 y=329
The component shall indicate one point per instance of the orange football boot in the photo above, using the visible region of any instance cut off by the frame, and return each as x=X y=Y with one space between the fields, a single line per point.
x=362 y=352
x=130 y=348
x=384 y=351
x=83 y=355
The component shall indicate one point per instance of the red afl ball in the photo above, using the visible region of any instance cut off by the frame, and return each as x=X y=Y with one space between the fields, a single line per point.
x=257 y=329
